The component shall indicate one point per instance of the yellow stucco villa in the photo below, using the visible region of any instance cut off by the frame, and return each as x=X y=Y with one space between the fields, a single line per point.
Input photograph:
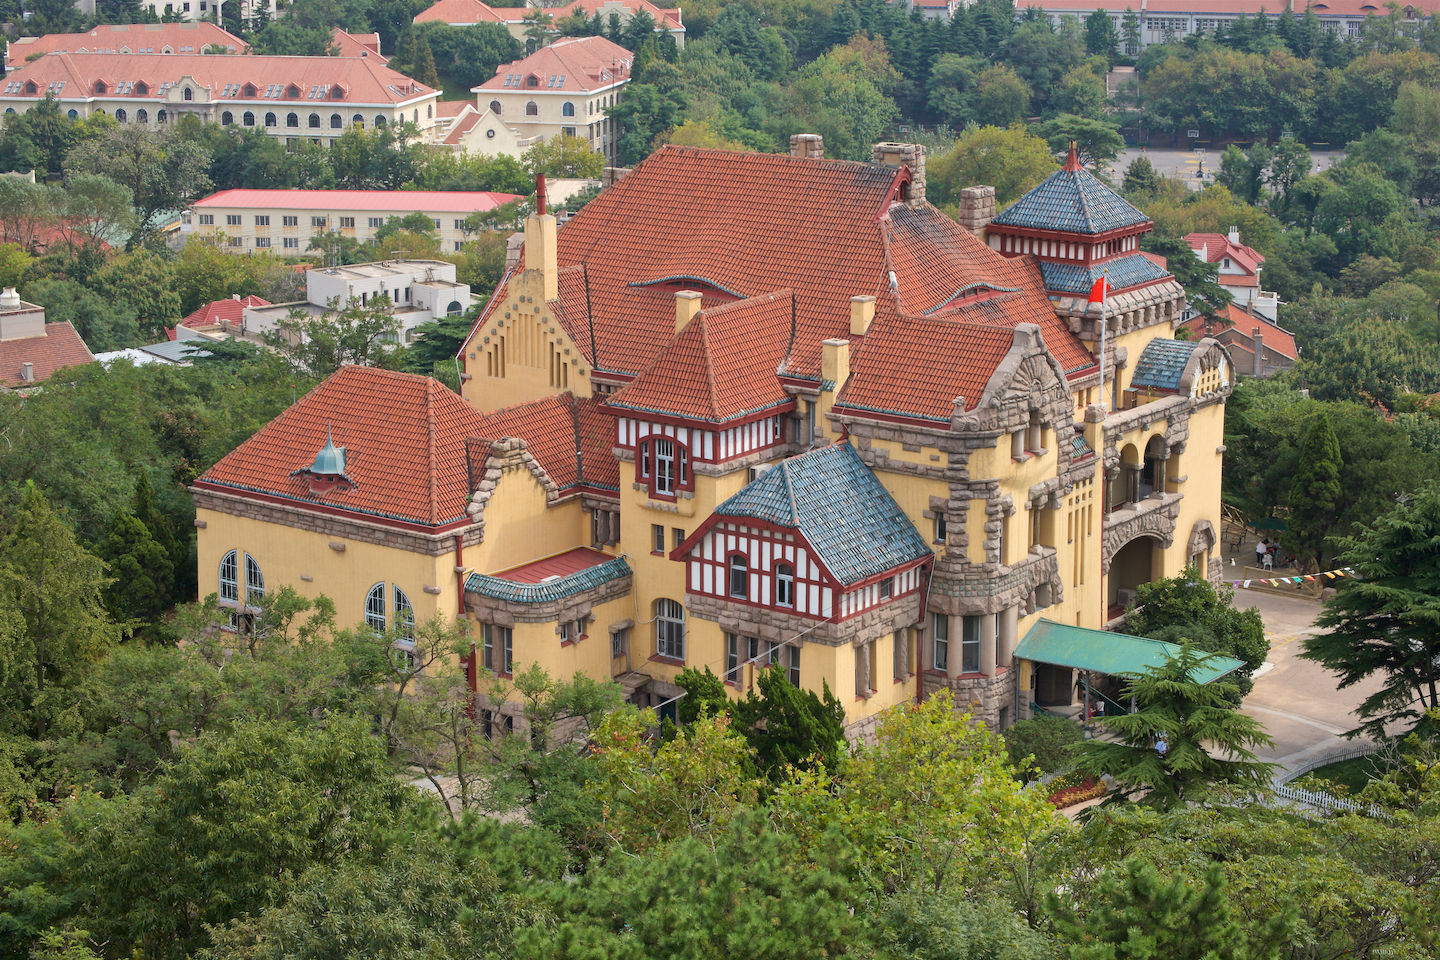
x=749 y=409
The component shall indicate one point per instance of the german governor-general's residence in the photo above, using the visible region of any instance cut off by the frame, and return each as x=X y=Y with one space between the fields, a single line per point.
x=748 y=409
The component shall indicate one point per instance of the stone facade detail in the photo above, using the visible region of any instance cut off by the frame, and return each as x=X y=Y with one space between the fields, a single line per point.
x=776 y=626
x=957 y=591
x=1152 y=517
x=508 y=456
x=977 y=209
x=910 y=155
x=982 y=697
x=342 y=528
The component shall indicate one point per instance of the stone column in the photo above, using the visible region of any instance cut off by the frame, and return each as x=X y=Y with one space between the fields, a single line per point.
x=862 y=670
x=954 y=656
x=987 y=645
x=1009 y=630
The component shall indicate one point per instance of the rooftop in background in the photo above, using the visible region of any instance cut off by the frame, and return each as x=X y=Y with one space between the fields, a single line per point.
x=570 y=64
x=292 y=81
x=57 y=346
x=551 y=568
x=1218 y=247
x=218 y=312
x=160 y=38
x=358 y=44
x=398 y=202
x=385 y=269
x=465 y=12
x=1242 y=322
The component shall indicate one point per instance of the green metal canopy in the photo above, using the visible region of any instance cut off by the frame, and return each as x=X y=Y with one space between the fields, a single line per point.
x=1100 y=651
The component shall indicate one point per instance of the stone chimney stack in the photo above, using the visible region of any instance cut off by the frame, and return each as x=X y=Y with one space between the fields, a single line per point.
x=977 y=209
x=542 y=258
x=687 y=304
x=862 y=311
x=809 y=146
x=1235 y=236
x=1259 y=339
x=910 y=155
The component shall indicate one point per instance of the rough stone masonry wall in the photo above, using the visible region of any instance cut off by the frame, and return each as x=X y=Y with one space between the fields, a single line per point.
x=910 y=155
x=977 y=209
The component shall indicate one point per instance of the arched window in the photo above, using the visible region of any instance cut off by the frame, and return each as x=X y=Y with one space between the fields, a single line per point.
x=739 y=576
x=230 y=577
x=358 y=121
x=404 y=614
x=429 y=111
x=415 y=115
x=187 y=94
x=292 y=120
x=454 y=309
x=379 y=121
x=495 y=107
x=161 y=116
x=375 y=607
x=227 y=118
x=270 y=120
x=670 y=629
x=248 y=119
x=532 y=109
x=254 y=582
x=785 y=585
x=120 y=114
x=336 y=121
x=314 y=121
x=568 y=110
x=73 y=114
x=142 y=116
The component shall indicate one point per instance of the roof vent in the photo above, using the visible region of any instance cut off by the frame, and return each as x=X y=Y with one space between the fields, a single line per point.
x=9 y=299
x=27 y=372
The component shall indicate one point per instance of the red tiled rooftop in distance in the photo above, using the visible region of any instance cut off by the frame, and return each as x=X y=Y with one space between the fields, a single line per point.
x=587 y=63
x=217 y=312
x=60 y=347
x=459 y=11
x=380 y=201
x=108 y=38
x=1218 y=247
x=1276 y=338
x=357 y=44
x=560 y=565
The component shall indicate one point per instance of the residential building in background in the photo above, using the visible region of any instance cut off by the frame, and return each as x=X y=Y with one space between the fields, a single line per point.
x=566 y=88
x=467 y=13
x=160 y=38
x=357 y=44
x=1237 y=268
x=283 y=221
x=694 y=437
x=31 y=349
x=1259 y=346
x=296 y=98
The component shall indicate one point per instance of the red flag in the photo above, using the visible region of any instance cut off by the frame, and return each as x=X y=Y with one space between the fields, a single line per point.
x=1100 y=291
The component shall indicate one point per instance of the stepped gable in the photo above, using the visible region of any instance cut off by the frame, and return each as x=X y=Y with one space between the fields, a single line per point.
x=553 y=429
x=856 y=528
x=720 y=367
x=1072 y=200
x=404 y=438
x=733 y=226
x=916 y=367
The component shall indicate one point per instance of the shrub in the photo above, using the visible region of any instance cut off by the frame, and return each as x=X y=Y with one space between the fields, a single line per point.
x=1050 y=740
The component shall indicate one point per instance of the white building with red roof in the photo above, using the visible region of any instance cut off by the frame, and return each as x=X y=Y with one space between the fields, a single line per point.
x=297 y=98
x=161 y=38
x=467 y=13
x=283 y=221
x=31 y=350
x=1259 y=346
x=1237 y=268
x=565 y=89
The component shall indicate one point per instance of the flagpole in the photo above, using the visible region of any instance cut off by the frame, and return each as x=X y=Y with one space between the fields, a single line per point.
x=1104 y=300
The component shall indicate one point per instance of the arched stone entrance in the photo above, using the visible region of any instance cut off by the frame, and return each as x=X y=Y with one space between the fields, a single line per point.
x=1135 y=563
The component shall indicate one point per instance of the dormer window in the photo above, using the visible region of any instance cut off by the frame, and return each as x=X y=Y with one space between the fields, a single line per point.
x=532 y=81
x=327 y=473
x=292 y=92
x=30 y=88
x=142 y=89
x=248 y=91
x=187 y=94
x=100 y=87
x=665 y=465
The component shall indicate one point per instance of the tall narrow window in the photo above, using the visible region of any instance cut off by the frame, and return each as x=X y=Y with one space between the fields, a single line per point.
x=794 y=664
x=375 y=607
x=507 y=650
x=970 y=645
x=739 y=577
x=404 y=615
x=732 y=658
x=645 y=459
x=939 y=528
x=229 y=577
x=657 y=531
x=670 y=629
x=785 y=585
x=941 y=629
x=254 y=582
x=664 y=466
x=487 y=647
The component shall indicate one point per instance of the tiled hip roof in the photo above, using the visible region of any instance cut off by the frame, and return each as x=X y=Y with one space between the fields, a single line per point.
x=567 y=586
x=1123 y=272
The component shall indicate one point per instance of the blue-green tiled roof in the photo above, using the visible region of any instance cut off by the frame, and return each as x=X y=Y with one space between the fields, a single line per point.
x=567 y=586
x=1080 y=447
x=830 y=496
x=1162 y=363
x=1074 y=201
x=1123 y=272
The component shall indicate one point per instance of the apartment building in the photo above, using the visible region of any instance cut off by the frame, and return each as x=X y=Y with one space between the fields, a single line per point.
x=160 y=38
x=283 y=221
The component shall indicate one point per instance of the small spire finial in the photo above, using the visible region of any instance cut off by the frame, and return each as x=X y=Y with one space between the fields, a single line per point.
x=1072 y=161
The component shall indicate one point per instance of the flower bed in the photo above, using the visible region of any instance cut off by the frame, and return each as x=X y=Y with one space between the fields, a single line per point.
x=1089 y=789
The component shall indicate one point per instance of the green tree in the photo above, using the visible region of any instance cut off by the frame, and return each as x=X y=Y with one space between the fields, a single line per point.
x=1002 y=97
x=952 y=88
x=1140 y=177
x=564 y=156
x=1101 y=38
x=143 y=577
x=97 y=211
x=468 y=56
x=928 y=927
x=1048 y=743
x=1097 y=142
x=1208 y=741
x=1188 y=607
x=353 y=334
x=1243 y=171
x=791 y=728
x=1385 y=620
x=1010 y=160
x=1201 y=280
x=1081 y=93
x=1316 y=494
x=14 y=261
x=1130 y=31
x=644 y=113
x=162 y=169
x=102 y=324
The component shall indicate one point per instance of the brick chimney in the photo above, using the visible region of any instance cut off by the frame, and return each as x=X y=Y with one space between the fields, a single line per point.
x=1259 y=339
x=910 y=155
x=810 y=146
x=687 y=304
x=977 y=209
x=862 y=311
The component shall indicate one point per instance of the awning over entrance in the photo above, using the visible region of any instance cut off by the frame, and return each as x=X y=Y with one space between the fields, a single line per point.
x=1100 y=651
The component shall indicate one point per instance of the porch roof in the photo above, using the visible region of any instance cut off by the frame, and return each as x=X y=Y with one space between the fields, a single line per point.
x=1101 y=651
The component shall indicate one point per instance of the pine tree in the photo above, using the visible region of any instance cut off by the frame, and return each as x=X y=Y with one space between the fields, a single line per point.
x=405 y=52
x=143 y=576
x=163 y=531
x=423 y=68
x=1316 y=493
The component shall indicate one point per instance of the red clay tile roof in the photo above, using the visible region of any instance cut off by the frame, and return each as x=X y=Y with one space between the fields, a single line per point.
x=462 y=127
x=1242 y=322
x=404 y=439
x=560 y=565
x=1218 y=247
x=553 y=429
x=357 y=44
x=217 y=312
x=463 y=12
x=452 y=108
x=721 y=366
x=60 y=347
x=190 y=37
x=586 y=63
x=916 y=367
